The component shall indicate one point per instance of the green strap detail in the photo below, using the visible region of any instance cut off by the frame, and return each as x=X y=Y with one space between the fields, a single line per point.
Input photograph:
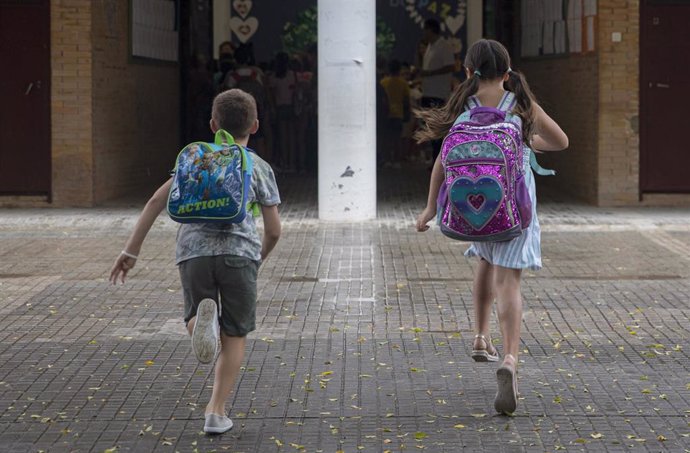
x=538 y=169
x=245 y=157
x=254 y=207
x=223 y=136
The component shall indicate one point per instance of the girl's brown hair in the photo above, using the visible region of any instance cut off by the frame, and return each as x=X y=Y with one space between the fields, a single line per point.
x=486 y=59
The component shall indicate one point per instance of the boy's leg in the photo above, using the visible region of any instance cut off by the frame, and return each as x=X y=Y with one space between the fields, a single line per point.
x=236 y=278
x=227 y=369
x=196 y=276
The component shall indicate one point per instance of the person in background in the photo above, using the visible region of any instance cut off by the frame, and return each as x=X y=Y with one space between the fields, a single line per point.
x=282 y=86
x=398 y=97
x=225 y=63
x=438 y=65
x=250 y=78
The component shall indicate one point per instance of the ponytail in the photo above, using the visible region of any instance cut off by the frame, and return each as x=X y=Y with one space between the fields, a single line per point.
x=525 y=102
x=437 y=121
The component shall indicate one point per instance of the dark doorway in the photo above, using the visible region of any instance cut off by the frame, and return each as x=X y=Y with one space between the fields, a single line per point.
x=499 y=19
x=664 y=88
x=25 y=93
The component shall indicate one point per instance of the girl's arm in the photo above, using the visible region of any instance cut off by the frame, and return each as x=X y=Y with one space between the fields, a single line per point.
x=434 y=186
x=153 y=208
x=548 y=134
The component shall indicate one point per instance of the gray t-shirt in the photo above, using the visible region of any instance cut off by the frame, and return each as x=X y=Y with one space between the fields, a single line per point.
x=241 y=239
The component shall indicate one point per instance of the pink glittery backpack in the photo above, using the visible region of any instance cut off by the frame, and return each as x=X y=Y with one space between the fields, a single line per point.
x=484 y=196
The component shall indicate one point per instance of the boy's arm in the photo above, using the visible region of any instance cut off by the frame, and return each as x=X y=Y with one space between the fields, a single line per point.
x=153 y=208
x=271 y=229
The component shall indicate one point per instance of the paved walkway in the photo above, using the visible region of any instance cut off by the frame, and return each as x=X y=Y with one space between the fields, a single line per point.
x=363 y=337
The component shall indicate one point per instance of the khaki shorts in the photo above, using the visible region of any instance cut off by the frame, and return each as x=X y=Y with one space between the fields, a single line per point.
x=229 y=279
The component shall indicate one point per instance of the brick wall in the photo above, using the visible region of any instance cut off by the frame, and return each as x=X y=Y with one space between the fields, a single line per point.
x=71 y=106
x=595 y=98
x=567 y=89
x=115 y=121
x=619 y=144
x=136 y=110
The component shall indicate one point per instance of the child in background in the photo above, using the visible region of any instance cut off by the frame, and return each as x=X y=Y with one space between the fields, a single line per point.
x=398 y=96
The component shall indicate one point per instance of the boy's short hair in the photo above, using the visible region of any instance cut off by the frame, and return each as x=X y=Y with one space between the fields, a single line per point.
x=235 y=111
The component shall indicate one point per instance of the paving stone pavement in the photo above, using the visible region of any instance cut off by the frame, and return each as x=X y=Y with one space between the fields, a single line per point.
x=363 y=338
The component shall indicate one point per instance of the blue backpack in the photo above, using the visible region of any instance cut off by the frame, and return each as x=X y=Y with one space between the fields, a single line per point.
x=211 y=182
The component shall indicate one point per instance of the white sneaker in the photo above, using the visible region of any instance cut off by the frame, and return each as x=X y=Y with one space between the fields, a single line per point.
x=217 y=424
x=206 y=333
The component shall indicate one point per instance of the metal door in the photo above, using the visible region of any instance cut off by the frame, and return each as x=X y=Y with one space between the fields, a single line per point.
x=25 y=95
x=664 y=96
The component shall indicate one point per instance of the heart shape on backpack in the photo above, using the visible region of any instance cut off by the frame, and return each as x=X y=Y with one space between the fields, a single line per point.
x=476 y=200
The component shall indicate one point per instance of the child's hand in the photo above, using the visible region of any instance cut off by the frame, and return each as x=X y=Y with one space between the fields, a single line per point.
x=120 y=268
x=424 y=218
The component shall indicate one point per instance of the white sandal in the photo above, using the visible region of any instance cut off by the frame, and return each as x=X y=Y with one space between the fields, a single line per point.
x=483 y=355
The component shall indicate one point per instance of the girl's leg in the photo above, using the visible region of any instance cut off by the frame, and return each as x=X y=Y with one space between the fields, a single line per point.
x=509 y=304
x=227 y=369
x=509 y=307
x=483 y=297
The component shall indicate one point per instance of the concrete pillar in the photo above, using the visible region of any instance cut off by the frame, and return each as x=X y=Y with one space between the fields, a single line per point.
x=475 y=19
x=222 y=10
x=347 y=109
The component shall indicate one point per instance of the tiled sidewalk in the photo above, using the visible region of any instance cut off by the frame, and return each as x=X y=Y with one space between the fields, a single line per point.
x=363 y=337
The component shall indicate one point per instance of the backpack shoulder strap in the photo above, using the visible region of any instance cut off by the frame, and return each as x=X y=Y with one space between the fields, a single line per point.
x=247 y=161
x=248 y=168
x=508 y=102
x=472 y=102
x=464 y=116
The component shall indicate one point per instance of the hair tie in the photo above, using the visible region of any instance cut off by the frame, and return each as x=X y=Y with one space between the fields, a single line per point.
x=478 y=73
x=509 y=70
